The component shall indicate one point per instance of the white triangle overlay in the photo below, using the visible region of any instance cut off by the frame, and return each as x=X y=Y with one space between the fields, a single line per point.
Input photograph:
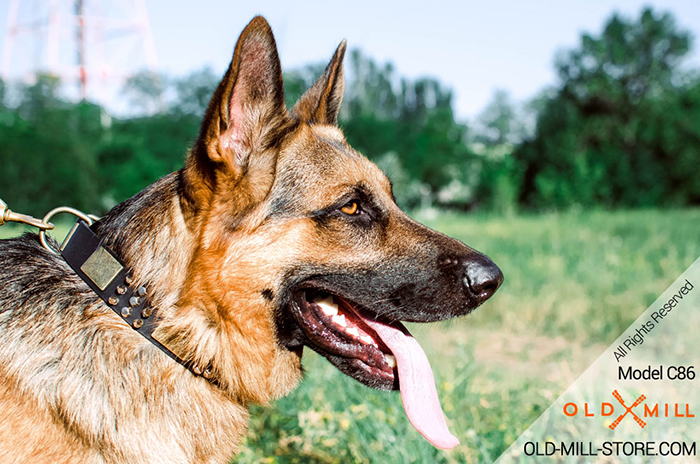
x=669 y=332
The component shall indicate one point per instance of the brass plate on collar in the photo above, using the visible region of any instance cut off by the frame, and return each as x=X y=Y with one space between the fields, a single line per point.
x=170 y=343
x=101 y=268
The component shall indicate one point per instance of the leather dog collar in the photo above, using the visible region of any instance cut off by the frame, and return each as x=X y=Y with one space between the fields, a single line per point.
x=113 y=282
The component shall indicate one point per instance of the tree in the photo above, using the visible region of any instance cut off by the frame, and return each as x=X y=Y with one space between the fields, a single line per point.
x=147 y=146
x=629 y=61
x=613 y=132
x=145 y=92
x=498 y=123
x=47 y=155
x=194 y=91
x=498 y=130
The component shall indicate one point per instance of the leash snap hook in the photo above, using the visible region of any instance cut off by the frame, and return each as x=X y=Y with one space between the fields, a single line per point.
x=7 y=215
x=88 y=218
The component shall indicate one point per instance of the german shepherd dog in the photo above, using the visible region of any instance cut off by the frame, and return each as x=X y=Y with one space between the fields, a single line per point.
x=274 y=236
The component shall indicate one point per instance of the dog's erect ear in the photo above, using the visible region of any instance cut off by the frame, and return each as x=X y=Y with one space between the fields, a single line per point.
x=321 y=103
x=247 y=110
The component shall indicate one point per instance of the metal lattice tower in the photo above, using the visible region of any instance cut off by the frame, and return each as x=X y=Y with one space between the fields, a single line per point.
x=91 y=45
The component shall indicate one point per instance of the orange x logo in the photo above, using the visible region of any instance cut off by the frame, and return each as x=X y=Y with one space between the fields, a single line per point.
x=628 y=410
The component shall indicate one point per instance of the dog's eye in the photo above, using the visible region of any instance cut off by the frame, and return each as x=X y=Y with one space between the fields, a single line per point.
x=351 y=208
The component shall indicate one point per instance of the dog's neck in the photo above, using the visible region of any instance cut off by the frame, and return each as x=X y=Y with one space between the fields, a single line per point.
x=142 y=230
x=159 y=239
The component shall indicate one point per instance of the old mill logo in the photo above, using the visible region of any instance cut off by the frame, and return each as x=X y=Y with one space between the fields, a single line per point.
x=628 y=410
x=634 y=410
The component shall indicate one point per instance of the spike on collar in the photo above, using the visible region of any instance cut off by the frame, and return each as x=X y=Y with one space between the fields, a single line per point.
x=113 y=282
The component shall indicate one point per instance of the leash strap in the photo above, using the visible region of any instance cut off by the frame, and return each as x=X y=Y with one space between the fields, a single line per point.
x=113 y=282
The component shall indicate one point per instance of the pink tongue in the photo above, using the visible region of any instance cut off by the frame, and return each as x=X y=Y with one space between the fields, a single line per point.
x=417 y=386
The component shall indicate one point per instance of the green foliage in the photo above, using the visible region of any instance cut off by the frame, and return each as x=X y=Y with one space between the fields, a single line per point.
x=619 y=131
x=109 y=159
x=499 y=180
x=60 y=153
x=413 y=119
x=499 y=128
x=407 y=192
x=47 y=151
x=145 y=91
x=194 y=92
x=141 y=150
x=499 y=123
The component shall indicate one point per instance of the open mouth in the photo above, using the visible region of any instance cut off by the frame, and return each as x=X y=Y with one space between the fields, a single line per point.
x=380 y=354
x=338 y=330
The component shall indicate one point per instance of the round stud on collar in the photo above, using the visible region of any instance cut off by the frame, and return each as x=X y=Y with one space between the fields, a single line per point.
x=196 y=370
x=138 y=323
x=146 y=312
x=113 y=300
x=126 y=311
x=142 y=291
x=134 y=301
x=121 y=290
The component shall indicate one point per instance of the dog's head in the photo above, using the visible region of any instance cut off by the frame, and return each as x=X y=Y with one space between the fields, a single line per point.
x=301 y=242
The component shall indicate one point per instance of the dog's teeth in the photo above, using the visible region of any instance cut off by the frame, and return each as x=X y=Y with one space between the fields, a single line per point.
x=390 y=360
x=367 y=339
x=340 y=320
x=353 y=331
x=326 y=299
x=327 y=309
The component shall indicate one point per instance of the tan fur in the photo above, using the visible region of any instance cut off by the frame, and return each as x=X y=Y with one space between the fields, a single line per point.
x=19 y=426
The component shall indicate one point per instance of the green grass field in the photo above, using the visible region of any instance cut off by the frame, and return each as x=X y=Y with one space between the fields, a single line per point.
x=573 y=283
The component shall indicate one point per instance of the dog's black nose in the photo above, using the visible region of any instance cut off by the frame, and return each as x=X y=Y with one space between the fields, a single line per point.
x=481 y=277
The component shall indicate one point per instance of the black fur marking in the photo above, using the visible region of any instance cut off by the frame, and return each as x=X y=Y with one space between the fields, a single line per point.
x=268 y=294
x=130 y=223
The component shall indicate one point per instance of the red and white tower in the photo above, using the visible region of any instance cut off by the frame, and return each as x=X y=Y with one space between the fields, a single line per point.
x=92 y=45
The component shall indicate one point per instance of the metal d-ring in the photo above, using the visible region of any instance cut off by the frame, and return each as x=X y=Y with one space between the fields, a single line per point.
x=89 y=218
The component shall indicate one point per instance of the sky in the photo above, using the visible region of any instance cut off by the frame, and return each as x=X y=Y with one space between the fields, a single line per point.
x=472 y=47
